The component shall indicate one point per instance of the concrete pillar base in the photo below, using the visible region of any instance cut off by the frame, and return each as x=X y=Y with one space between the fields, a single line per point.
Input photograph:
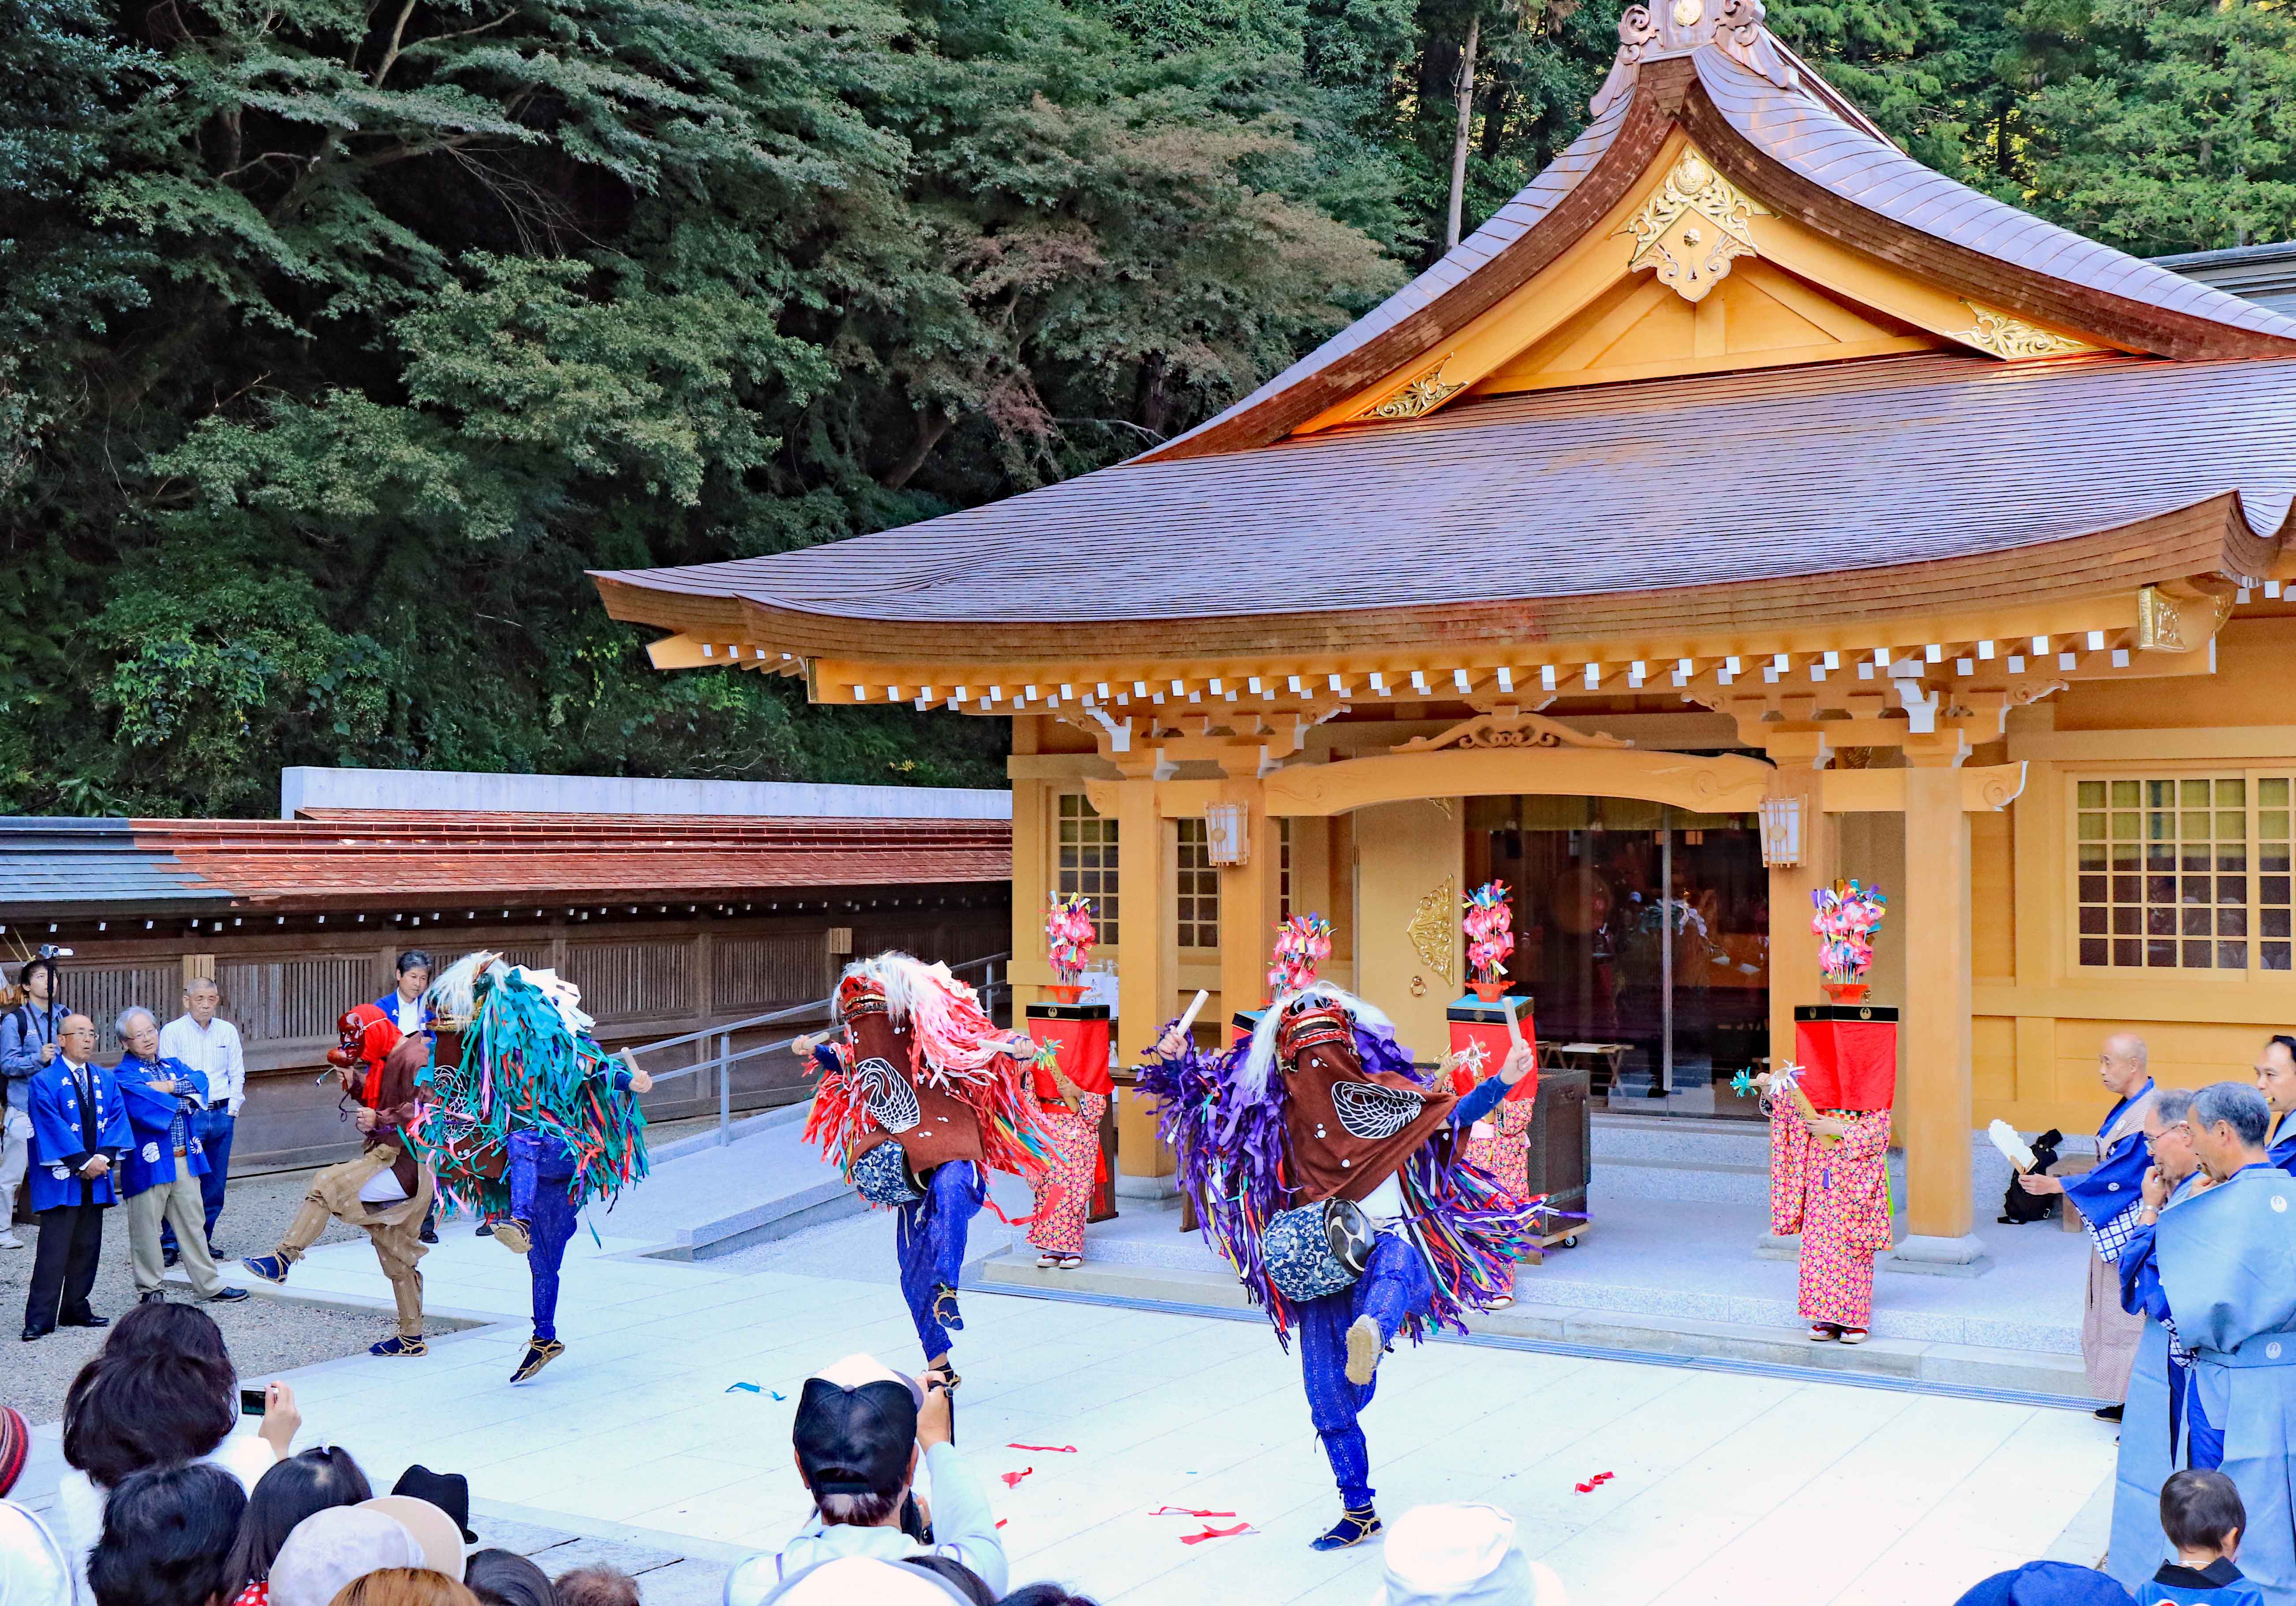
x=1962 y=1256
x=1146 y=1187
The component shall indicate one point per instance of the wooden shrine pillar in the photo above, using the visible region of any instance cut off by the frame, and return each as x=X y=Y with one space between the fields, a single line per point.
x=1146 y=968
x=1250 y=893
x=1934 y=1106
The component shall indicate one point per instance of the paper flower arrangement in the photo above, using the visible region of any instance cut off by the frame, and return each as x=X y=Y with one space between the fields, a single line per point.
x=1490 y=931
x=1848 y=917
x=1068 y=936
x=1302 y=943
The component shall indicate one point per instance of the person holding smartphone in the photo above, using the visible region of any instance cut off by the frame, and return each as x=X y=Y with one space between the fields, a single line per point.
x=863 y=1431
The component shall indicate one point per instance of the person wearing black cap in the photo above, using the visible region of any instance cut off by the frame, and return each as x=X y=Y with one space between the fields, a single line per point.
x=862 y=1431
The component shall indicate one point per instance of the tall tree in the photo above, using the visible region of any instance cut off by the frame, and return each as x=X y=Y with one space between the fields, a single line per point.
x=2170 y=125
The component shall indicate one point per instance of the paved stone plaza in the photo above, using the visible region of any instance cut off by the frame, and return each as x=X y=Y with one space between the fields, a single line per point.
x=1729 y=1486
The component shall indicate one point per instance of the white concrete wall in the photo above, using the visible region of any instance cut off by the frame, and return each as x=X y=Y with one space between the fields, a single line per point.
x=311 y=787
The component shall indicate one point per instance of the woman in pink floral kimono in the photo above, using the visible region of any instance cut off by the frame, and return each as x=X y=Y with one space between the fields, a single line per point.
x=1070 y=1117
x=1500 y=1145
x=1829 y=1182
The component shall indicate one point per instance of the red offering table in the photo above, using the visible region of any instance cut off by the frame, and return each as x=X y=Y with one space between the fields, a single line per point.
x=1079 y=1035
x=1849 y=1053
x=1474 y=1021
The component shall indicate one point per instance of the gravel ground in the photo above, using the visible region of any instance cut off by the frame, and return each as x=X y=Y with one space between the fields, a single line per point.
x=264 y=1335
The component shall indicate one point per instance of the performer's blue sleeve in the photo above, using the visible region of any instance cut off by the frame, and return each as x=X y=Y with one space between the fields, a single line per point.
x=1478 y=1103
x=962 y=1522
x=2116 y=1185
x=2141 y=1294
x=826 y=1059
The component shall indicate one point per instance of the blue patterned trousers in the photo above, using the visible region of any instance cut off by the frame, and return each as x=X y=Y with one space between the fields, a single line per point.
x=930 y=1233
x=540 y=1167
x=1395 y=1283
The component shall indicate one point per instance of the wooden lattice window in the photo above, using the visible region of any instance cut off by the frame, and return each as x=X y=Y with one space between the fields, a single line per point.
x=1197 y=913
x=296 y=1000
x=1284 y=869
x=760 y=972
x=626 y=981
x=2184 y=871
x=1087 y=862
x=103 y=993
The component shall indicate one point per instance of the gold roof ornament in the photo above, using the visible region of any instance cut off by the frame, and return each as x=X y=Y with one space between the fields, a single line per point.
x=2014 y=339
x=1423 y=394
x=1693 y=227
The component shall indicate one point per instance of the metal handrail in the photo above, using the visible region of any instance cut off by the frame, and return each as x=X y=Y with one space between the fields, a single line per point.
x=724 y=1060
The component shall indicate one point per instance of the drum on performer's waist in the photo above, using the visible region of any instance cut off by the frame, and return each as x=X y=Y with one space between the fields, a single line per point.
x=883 y=1177
x=1317 y=1249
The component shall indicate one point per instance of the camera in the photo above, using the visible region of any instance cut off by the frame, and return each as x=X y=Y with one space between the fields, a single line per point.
x=49 y=950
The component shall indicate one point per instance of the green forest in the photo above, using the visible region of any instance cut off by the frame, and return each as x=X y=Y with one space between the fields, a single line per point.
x=341 y=336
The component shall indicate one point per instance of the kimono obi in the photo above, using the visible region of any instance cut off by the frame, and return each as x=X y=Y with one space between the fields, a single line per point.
x=2262 y=1350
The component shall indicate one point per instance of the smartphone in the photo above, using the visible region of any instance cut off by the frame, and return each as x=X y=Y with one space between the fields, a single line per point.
x=250 y=1402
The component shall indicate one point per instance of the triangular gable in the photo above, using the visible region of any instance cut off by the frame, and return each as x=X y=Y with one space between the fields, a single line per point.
x=1709 y=126
x=1689 y=274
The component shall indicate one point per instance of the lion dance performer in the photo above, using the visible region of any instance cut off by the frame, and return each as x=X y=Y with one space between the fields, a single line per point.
x=386 y=1190
x=1333 y=1178
x=531 y=1119
x=921 y=1094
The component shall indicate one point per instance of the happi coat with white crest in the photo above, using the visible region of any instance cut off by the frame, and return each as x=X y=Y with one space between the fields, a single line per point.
x=1321 y=1102
x=2226 y=1262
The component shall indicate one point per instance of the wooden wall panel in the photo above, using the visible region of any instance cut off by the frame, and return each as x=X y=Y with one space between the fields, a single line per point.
x=1992 y=896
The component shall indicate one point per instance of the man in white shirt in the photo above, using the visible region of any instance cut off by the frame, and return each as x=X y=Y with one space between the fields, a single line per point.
x=210 y=1046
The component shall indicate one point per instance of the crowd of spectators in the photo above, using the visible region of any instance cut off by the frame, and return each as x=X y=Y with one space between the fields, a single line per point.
x=153 y=1132
x=166 y=1504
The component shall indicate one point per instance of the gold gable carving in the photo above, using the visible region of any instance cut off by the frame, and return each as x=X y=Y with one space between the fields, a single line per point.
x=1434 y=928
x=1423 y=394
x=1509 y=730
x=2013 y=338
x=1693 y=228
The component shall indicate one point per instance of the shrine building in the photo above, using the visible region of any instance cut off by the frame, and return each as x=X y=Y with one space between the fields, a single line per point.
x=1742 y=505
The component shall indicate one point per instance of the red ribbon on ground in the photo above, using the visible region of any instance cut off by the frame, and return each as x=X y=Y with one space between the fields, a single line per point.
x=1216 y=1533
x=1594 y=1483
x=1047 y=1450
x=1012 y=1479
x=1182 y=1511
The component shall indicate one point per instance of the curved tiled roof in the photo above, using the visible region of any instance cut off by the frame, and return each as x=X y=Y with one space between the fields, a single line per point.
x=1802 y=125
x=1698 y=481
x=353 y=857
x=1799 y=132
x=1502 y=229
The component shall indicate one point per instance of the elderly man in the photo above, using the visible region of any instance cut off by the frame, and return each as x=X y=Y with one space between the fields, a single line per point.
x=2150 y=1436
x=78 y=1129
x=164 y=1163
x=2275 y=1080
x=2226 y=1264
x=2107 y=1198
x=211 y=1047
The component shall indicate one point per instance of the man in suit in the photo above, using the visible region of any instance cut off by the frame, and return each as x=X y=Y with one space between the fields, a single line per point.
x=80 y=1126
